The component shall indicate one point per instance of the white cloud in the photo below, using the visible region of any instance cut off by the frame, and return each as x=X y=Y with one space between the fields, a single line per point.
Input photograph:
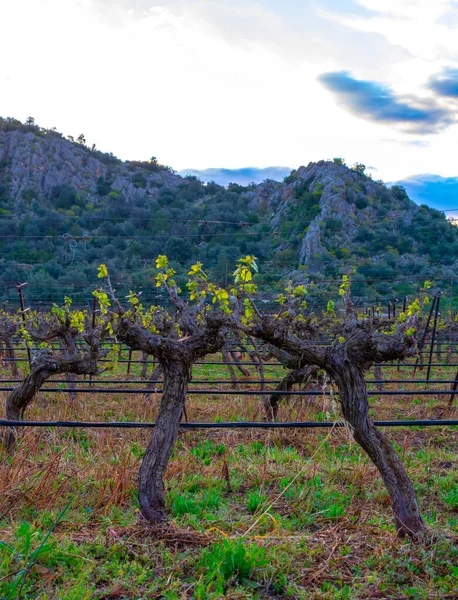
x=209 y=84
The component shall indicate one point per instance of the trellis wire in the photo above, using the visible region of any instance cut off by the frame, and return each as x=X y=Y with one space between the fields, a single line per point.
x=266 y=364
x=225 y=381
x=224 y=425
x=236 y=392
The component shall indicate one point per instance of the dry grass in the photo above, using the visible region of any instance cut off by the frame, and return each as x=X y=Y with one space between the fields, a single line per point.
x=323 y=519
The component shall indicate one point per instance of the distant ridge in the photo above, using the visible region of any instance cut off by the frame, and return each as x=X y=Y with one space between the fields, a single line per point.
x=243 y=176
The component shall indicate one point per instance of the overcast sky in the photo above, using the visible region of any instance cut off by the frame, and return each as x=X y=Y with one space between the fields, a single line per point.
x=213 y=83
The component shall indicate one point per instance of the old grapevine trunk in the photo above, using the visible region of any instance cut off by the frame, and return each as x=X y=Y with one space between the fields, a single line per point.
x=144 y=371
x=227 y=360
x=175 y=357
x=302 y=375
x=355 y=408
x=177 y=374
x=43 y=367
x=346 y=362
x=23 y=395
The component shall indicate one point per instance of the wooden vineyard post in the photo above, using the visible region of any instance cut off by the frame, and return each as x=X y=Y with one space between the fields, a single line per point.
x=23 y=309
x=94 y=311
x=10 y=354
x=451 y=296
x=431 y=349
x=455 y=386
x=425 y=333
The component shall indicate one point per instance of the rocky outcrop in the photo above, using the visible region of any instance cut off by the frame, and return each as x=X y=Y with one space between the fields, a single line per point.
x=35 y=163
x=311 y=246
x=265 y=198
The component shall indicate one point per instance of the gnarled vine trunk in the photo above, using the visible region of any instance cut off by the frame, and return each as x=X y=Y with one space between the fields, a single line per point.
x=302 y=375
x=24 y=393
x=355 y=408
x=237 y=362
x=43 y=367
x=144 y=371
x=177 y=374
x=378 y=376
x=71 y=379
x=153 y=379
x=346 y=361
x=176 y=357
x=227 y=360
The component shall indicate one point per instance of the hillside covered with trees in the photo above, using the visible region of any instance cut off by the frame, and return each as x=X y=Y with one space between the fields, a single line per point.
x=65 y=208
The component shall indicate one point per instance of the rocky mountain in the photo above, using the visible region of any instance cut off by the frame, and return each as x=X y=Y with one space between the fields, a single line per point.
x=65 y=208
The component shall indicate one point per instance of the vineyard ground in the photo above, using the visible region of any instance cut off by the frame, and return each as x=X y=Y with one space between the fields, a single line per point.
x=254 y=514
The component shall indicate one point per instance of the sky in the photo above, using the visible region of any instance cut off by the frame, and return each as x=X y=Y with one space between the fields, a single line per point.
x=269 y=83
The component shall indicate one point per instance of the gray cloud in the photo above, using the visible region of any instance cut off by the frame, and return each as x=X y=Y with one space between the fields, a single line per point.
x=375 y=102
x=446 y=83
x=242 y=176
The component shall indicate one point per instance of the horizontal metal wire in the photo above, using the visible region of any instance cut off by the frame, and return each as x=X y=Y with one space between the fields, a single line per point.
x=235 y=392
x=265 y=364
x=147 y=382
x=224 y=425
x=231 y=348
x=125 y=360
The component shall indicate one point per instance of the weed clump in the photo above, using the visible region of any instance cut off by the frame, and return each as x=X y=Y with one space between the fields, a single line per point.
x=229 y=563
